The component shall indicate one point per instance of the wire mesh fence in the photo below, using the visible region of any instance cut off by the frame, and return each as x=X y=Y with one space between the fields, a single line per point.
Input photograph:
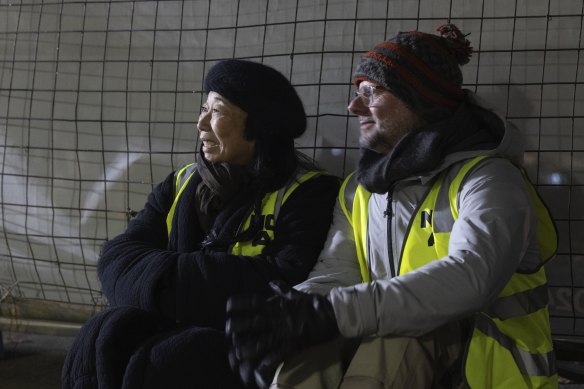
x=99 y=100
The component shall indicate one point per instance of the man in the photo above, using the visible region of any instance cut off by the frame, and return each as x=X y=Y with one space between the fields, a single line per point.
x=433 y=268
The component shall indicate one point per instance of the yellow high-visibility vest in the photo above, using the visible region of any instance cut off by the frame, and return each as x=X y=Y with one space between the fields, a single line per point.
x=271 y=204
x=510 y=345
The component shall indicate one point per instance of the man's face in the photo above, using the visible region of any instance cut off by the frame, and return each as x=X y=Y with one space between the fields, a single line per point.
x=221 y=128
x=384 y=121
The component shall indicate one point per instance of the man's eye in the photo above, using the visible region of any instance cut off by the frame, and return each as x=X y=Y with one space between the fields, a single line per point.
x=204 y=109
x=366 y=92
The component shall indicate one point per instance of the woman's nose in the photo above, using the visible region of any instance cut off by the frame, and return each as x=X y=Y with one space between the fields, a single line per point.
x=203 y=123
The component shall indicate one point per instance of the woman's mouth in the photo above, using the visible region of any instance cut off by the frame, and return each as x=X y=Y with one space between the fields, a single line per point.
x=209 y=145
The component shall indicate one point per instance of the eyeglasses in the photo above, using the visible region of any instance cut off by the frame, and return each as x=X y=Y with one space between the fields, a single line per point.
x=367 y=94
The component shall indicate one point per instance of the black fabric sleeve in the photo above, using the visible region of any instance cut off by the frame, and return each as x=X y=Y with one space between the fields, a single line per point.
x=192 y=288
x=130 y=263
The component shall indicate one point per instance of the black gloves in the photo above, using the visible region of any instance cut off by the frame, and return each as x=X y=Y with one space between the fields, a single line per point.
x=264 y=332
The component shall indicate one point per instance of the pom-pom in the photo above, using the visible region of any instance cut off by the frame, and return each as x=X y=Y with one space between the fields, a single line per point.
x=457 y=42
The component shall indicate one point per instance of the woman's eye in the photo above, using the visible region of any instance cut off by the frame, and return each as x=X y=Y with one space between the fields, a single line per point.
x=204 y=109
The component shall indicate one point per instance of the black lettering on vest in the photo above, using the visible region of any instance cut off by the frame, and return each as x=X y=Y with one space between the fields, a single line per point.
x=258 y=220
x=431 y=240
x=262 y=238
x=269 y=222
x=426 y=218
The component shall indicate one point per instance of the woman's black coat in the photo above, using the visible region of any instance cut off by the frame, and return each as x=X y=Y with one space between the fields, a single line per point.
x=165 y=327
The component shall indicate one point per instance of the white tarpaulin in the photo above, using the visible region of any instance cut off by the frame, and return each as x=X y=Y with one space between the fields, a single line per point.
x=99 y=100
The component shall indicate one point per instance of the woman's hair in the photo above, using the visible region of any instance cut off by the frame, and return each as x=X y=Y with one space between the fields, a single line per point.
x=276 y=163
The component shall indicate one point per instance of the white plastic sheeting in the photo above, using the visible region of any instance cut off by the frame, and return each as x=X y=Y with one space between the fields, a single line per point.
x=99 y=100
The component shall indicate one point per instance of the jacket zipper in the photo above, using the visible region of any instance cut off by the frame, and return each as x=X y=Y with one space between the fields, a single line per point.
x=389 y=214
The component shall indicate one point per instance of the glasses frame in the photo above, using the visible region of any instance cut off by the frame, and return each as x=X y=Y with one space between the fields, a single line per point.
x=367 y=94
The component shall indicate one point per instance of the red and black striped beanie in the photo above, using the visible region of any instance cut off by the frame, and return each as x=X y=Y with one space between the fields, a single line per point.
x=422 y=70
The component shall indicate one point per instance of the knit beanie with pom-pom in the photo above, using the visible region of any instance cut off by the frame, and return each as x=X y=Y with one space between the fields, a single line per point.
x=422 y=70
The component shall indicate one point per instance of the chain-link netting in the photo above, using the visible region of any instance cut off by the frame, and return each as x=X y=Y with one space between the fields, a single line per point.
x=99 y=100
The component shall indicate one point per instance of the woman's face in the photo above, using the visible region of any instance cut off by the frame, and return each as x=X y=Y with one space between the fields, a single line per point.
x=221 y=130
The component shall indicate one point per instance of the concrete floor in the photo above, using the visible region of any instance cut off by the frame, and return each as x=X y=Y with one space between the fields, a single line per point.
x=32 y=361
x=35 y=361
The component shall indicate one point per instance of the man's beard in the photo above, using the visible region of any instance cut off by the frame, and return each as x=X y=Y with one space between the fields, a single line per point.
x=374 y=142
x=390 y=131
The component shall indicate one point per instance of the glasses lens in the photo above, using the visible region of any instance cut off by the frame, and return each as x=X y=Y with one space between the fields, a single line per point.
x=368 y=94
x=365 y=95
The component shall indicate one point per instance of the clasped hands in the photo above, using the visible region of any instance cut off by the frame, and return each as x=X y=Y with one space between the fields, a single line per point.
x=263 y=332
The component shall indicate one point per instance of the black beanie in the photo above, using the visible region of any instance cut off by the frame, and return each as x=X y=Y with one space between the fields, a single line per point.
x=274 y=110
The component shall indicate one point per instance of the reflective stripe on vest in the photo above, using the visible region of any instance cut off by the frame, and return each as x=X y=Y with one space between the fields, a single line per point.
x=516 y=341
x=271 y=204
x=183 y=176
x=354 y=200
x=542 y=364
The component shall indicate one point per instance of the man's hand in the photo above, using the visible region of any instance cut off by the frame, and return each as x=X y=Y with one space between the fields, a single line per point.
x=264 y=332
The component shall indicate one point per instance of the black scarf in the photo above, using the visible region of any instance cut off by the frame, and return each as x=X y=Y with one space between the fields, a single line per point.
x=220 y=183
x=423 y=150
x=212 y=207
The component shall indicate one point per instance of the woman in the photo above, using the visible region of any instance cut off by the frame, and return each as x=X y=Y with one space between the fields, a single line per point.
x=250 y=210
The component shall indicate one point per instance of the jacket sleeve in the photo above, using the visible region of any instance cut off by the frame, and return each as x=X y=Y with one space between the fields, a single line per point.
x=135 y=268
x=493 y=235
x=130 y=262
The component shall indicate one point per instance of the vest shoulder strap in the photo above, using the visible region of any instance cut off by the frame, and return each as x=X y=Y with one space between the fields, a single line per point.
x=182 y=178
x=354 y=201
x=447 y=186
x=347 y=194
x=287 y=190
x=546 y=228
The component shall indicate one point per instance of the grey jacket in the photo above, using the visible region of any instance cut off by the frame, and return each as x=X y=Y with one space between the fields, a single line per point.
x=493 y=237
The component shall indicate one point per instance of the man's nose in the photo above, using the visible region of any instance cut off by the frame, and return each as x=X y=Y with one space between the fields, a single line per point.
x=357 y=107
